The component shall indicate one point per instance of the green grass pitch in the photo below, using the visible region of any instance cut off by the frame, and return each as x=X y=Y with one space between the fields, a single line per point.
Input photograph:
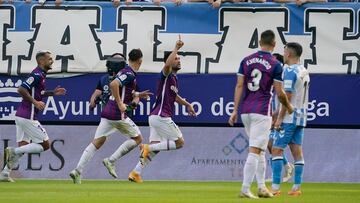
x=53 y=191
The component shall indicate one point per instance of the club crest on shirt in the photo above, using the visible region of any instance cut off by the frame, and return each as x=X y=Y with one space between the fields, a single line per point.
x=173 y=88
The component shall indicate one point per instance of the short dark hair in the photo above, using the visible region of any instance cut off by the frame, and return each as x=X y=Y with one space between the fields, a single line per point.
x=166 y=55
x=120 y=54
x=295 y=47
x=41 y=53
x=279 y=57
x=135 y=55
x=267 y=37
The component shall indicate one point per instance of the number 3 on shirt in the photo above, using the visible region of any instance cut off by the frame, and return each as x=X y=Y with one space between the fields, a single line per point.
x=256 y=77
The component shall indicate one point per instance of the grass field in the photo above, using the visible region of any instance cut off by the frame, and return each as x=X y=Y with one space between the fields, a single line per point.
x=52 y=191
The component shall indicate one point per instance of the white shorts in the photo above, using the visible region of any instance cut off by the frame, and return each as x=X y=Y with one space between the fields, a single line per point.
x=30 y=130
x=257 y=128
x=126 y=127
x=163 y=128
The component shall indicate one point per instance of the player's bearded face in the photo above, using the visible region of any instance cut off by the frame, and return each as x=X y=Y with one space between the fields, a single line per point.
x=48 y=62
x=177 y=64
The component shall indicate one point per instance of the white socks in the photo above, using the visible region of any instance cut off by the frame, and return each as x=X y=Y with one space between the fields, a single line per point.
x=86 y=157
x=163 y=146
x=125 y=148
x=6 y=170
x=260 y=172
x=29 y=148
x=250 y=168
x=139 y=167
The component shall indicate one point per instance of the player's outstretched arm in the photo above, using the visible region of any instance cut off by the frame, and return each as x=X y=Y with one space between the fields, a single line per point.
x=143 y=95
x=170 y=60
x=55 y=92
x=183 y=102
x=237 y=97
x=114 y=87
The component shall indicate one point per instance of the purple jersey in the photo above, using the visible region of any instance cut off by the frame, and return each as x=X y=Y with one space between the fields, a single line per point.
x=127 y=79
x=259 y=70
x=35 y=84
x=167 y=90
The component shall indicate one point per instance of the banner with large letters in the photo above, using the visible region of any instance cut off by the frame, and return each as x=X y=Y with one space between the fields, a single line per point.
x=82 y=34
x=333 y=101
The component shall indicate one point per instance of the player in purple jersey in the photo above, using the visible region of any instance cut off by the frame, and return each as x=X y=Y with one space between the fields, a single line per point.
x=258 y=74
x=113 y=117
x=30 y=135
x=164 y=133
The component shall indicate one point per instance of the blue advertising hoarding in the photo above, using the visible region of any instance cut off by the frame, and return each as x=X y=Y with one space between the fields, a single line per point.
x=333 y=99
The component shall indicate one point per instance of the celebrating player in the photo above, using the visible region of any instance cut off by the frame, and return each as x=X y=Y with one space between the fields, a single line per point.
x=30 y=135
x=113 y=117
x=164 y=133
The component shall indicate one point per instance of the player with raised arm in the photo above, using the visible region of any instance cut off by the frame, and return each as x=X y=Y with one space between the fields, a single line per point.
x=164 y=133
x=259 y=73
x=113 y=117
x=30 y=135
x=290 y=126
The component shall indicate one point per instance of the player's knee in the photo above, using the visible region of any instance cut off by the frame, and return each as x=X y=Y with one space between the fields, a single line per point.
x=98 y=142
x=138 y=139
x=179 y=143
x=276 y=152
x=46 y=145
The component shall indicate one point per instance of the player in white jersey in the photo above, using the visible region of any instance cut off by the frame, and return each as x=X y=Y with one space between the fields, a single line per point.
x=289 y=168
x=290 y=127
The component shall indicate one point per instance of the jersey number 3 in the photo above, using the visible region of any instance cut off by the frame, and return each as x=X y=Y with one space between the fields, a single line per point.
x=254 y=85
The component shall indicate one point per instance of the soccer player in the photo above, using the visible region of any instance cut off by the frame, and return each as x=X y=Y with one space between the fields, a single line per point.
x=102 y=92
x=164 y=133
x=289 y=168
x=113 y=118
x=257 y=75
x=291 y=125
x=30 y=135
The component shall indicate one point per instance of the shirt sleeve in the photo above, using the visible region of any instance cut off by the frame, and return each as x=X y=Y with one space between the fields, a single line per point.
x=125 y=78
x=99 y=86
x=162 y=75
x=241 y=68
x=278 y=72
x=32 y=81
x=289 y=80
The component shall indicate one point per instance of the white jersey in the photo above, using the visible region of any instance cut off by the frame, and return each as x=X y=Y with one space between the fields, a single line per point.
x=297 y=80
